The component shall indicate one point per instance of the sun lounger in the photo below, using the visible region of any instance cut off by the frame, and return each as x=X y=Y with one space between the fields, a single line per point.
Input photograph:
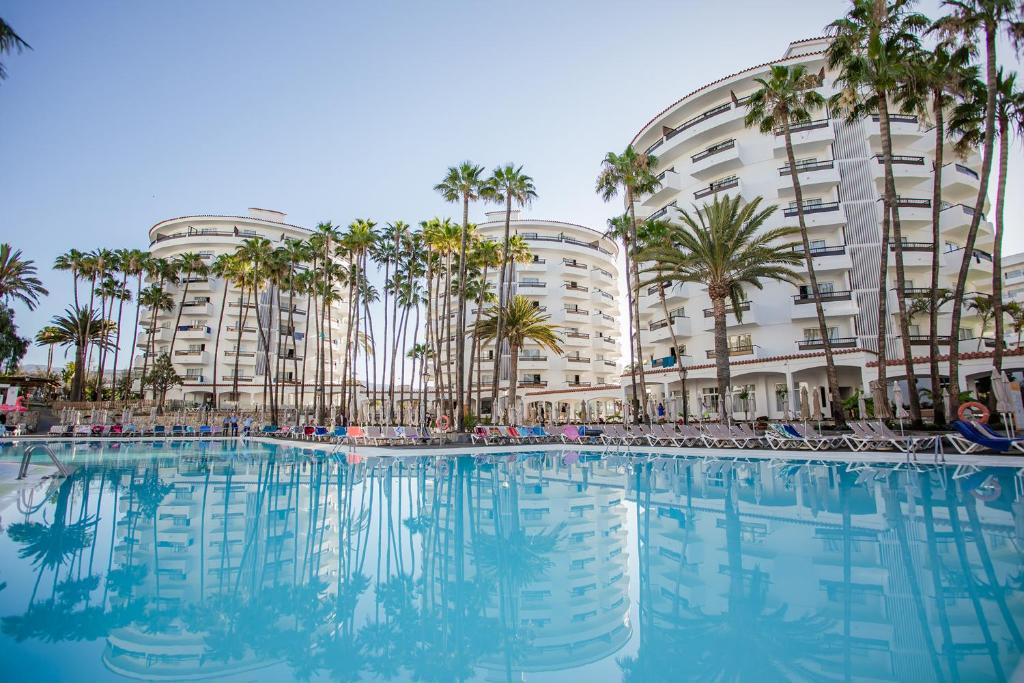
x=570 y=434
x=786 y=436
x=57 y=430
x=970 y=433
x=906 y=444
x=354 y=434
x=83 y=430
x=690 y=435
x=205 y=430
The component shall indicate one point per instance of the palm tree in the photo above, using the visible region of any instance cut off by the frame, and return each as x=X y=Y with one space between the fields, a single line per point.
x=49 y=337
x=79 y=328
x=190 y=264
x=224 y=267
x=932 y=84
x=722 y=245
x=487 y=254
x=630 y=173
x=356 y=243
x=110 y=290
x=520 y=322
x=18 y=279
x=257 y=252
x=1016 y=313
x=465 y=183
x=873 y=47
x=156 y=300
x=787 y=97
x=966 y=20
x=651 y=234
x=134 y=263
x=982 y=305
x=507 y=184
x=9 y=42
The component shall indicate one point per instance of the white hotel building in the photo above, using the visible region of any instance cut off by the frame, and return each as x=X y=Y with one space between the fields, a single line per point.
x=703 y=149
x=574 y=279
x=206 y=369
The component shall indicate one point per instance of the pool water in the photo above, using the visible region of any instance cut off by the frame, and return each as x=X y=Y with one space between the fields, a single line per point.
x=187 y=560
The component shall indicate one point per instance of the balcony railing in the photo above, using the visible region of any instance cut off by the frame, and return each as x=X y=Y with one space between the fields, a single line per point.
x=801 y=127
x=690 y=123
x=913 y=203
x=232 y=378
x=602 y=271
x=241 y=354
x=902 y=159
x=578 y=384
x=916 y=291
x=925 y=340
x=578 y=359
x=192 y=304
x=579 y=311
x=967 y=171
x=194 y=328
x=913 y=246
x=713 y=150
x=531 y=383
x=574 y=264
x=717 y=186
x=744 y=306
x=662 y=212
x=830 y=250
x=807 y=166
x=969 y=210
x=818 y=207
x=527 y=357
x=834 y=295
x=189 y=352
x=577 y=335
x=836 y=343
x=535 y=237
x=661 y=176
x=896 y=118
x=609 y=363
x=734 y=351
x=575 y=288
x=531 y=284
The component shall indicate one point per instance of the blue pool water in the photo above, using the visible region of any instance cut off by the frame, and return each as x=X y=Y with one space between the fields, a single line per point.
x=185 y=560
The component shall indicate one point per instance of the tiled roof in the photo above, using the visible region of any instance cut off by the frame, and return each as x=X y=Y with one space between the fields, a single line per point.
x=969 y=355
x=752 y=361
x=600 y=387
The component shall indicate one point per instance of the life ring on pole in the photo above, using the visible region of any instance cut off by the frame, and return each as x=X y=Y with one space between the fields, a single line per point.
x=443 y=422
x=988 y=490
x=973 y=411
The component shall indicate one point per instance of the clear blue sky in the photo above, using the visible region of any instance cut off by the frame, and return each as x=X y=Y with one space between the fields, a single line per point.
x=126 y=113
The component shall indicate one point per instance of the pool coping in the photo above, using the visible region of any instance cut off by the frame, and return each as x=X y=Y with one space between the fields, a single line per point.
x=951 y=459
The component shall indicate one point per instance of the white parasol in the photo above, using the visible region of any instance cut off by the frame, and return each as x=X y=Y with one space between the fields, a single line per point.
x=816 y=406
x=1001 y=392
x=897 y=398
x=862 y=406
x=805 y=406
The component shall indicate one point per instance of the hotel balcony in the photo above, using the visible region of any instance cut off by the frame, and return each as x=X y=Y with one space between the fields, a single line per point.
x=907 y=171
x=835 y=303
x=959 y=182
x=749 y=316
x=531 y=288
x=955 y=222
x=576 y=359
x=604 y=321
x=819 y=344
x=827 y=258
x=601 y=274
x=925 y=340
x=664 y=212
x=730 y=185
x=818 y=214
x=904 y=128
x=203 y=308
x=162 y=334
x=573 y=313
x=671 y=185
x=232 y=378
x=199 y=284
x=601 y=296
x=536 y=265
x=702 y=128
x=244 y=357
x=915 y=255
x=576 y=338
x=193 y=379
x=235 y=310
x=192 y=332
x=531 y=383
x=913 y=211
x=714 y=160
x=528 y=361
x=738 y=352
x=806 y=137
x=191 y=357
x=816 y=177
x=659 y=330
x=576 y=291
x=573 y=268
x=980 y=263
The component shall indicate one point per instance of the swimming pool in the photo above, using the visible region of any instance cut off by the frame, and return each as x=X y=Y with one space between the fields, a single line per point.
x=192 y=560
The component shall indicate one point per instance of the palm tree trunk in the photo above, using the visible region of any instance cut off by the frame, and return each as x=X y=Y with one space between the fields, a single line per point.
x=997 y=246
x=679 y=355
x=979 y=206
x=830 y=365
x=216 y=343
x=901 y=300
x=149 y=351
x=721 y=353
x=513 y=380
x=630 y=295
x=135 y=328
x=243 y=314
x=117 y=343
x=502 y=302
x=634 y=328
x=938 y=406
x=181 y=307
x=460 y=343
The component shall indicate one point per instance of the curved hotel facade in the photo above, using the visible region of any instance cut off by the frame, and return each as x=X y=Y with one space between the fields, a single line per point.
x=703 y=150
x=574 y=279
x=203 y=367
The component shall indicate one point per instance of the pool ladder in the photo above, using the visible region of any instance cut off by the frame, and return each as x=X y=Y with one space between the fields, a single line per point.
x=23 y=470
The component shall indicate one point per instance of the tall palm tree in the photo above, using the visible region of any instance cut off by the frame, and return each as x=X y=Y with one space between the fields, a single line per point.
x=632 y=174
x=932 y=84
x=49 y=337
x=486 y=255
x=18 y=279
x=156 y=300
x=190 y=264
x=788 y=97
x=966 y=22
x=134 y=263
x=257 y=252
x=356 y=243
x=983 y=306
x=509 y=185
x=464 y=183
x=71 y=261
x=224 y=267
x=9 y=42
x=520 y=322
x=79 y=328
x=111 y=291
x=723 y=246
x=873 y=47
x=651 y=234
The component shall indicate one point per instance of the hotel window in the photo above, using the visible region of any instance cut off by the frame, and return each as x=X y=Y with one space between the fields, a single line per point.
x=914 y=330
x=816 y=201
x=740 y=341
x=781 y=396
x=709 y=399
x=966 y=333
x=812 y=333
x=1012 y=274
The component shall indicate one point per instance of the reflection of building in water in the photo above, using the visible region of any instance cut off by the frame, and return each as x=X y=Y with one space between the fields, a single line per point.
x=207 y=535
x=904 y=576
x=557 y=544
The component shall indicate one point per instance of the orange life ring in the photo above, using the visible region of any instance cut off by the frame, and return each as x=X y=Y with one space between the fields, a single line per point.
x=989 y=490
x=443 y=422
x=974 y=407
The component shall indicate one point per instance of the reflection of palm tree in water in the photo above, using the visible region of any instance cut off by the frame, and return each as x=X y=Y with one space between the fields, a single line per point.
x=747 y=642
